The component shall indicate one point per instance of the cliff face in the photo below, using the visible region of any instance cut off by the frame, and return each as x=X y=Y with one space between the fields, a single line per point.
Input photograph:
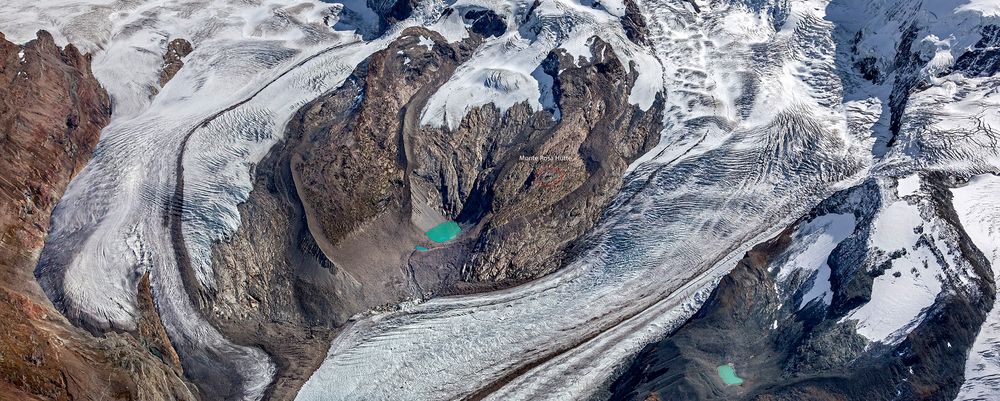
x=51 y=115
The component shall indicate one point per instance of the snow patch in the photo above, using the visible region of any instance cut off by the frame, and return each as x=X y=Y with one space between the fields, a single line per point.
x=894 y=227
x=901 y=293
x=988 y=8
x=908 y=185
x=813 y=243
x=425 y=41
x=897 y=302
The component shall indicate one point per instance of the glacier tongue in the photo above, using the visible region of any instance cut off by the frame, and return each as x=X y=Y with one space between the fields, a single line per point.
x=979 y=212
x=91 y=227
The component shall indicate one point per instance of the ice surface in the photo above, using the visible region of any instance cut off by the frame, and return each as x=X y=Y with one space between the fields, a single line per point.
x=113 y=205
x=953 y=127
x=128 y=39
x=878 y=30
x=979 y=211
x=254 y=64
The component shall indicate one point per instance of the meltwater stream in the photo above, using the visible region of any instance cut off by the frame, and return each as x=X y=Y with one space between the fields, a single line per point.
x=754 y=137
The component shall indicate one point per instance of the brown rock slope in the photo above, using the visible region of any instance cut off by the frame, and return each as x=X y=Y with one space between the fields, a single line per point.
x=277 y=288
x=338 y=208
x=51 y=113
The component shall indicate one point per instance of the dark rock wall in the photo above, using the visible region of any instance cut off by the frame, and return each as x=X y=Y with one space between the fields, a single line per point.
x=983 y=59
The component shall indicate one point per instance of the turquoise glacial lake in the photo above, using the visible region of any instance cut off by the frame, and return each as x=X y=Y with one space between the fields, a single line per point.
x=444 y=232
x=728 y=375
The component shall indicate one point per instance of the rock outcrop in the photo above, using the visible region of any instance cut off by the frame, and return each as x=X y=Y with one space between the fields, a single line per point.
x=521 y=183
x=358 y=172
x=634 y=24
x=51 y=115
x=280 y=278
x=173 y=59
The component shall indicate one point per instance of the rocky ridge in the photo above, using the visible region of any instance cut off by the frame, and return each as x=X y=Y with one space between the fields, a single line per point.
x=358 y=171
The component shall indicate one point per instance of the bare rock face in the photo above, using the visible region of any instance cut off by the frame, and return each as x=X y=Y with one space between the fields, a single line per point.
x=547 y=185
x=634 y=24
x=173 y=59
x=51 y=114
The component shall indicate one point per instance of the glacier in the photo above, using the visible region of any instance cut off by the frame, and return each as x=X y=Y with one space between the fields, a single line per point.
x=766 y=115
x=250 y=72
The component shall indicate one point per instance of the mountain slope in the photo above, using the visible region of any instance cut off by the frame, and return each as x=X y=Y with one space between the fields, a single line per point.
x=889 y=302
x=859 y=300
